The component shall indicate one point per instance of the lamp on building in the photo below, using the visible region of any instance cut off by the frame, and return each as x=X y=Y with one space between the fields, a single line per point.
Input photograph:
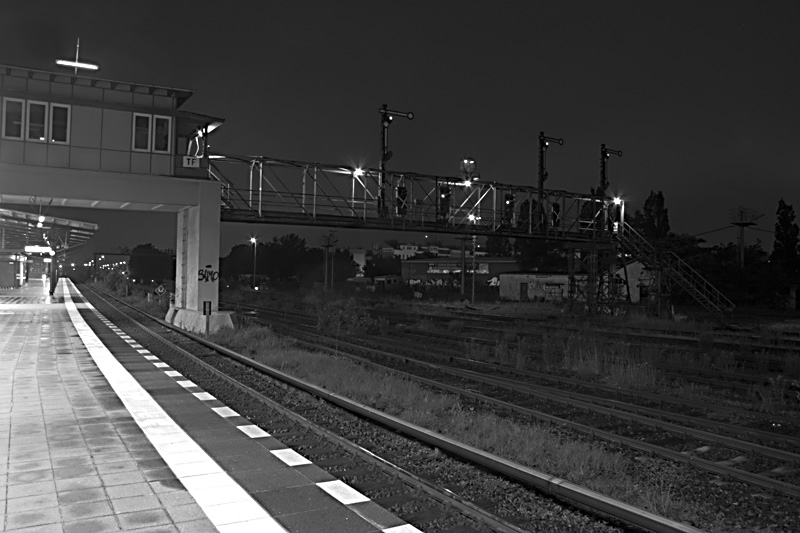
x=77 y=63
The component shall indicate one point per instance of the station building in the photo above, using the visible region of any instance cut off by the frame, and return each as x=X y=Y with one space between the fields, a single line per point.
x=69 y=140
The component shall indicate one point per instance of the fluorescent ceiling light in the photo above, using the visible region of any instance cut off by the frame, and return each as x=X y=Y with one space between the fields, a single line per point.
x=76 y=64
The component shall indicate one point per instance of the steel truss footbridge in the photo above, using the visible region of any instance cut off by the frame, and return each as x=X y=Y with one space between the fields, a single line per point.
x=266 y=190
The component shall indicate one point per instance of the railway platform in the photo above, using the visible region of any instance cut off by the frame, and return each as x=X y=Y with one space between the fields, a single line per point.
x=97 y=434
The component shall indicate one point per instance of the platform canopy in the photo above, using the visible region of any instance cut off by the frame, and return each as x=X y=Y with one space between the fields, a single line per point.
x=19 y=229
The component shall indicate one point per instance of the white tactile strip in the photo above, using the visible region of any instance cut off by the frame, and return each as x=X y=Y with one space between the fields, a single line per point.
x=188 y=456
x=242 y=513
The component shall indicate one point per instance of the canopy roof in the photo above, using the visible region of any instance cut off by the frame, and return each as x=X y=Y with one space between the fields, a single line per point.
x=19 y=229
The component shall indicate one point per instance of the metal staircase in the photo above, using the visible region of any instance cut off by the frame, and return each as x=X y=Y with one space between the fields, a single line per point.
x=675 y=269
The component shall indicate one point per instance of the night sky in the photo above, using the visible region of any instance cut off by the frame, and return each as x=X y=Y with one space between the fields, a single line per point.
x=702 y=98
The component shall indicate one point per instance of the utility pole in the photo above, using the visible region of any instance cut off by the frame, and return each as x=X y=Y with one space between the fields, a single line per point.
x=474 y=249
x=329 y=241
x=463 y=264
x=743 y=217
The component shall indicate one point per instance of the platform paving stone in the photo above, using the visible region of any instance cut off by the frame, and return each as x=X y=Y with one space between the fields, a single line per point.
x=78 y=453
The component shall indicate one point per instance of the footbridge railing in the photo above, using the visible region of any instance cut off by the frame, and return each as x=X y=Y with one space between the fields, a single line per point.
x=268 y=190
x=676 y=269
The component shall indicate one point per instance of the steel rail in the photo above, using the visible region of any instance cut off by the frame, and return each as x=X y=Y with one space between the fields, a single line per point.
x=443 y=496
x=645 y=395
x=741 y=475
x=676 y=371
x=586 y=402
x=550 y=484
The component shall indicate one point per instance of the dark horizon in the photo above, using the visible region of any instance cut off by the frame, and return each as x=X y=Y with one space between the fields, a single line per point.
x=701 y=99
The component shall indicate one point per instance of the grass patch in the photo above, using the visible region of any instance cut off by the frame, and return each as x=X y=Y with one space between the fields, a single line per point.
x=529 y=444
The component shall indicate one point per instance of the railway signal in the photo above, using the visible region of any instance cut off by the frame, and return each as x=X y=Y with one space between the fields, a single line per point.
x=544 y=142
x=387 y=116
x=604 y=154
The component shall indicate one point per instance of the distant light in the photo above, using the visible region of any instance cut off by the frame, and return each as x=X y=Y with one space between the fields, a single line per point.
x=76 y=64
x=617 y=200
x=467 y=183
x=253 y=240
x=41 y=218
x=357 y=173
x=36 y=249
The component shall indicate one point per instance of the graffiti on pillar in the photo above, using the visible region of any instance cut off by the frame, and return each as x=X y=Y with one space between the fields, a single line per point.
x=207 y=275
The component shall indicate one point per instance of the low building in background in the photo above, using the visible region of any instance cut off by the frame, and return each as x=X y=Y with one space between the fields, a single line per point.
x=445 y=271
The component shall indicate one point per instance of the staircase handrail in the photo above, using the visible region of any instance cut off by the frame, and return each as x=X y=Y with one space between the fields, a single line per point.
x=678 y=269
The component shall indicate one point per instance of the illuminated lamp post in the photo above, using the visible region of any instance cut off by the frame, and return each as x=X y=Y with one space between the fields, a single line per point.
x=468 y=168
x=474 y=219
x=254 y=241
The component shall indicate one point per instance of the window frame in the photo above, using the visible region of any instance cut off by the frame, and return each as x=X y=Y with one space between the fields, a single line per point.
x=150 y=122
x=28 y=105
x=22 y=113
x=50 y=138
x=169 y=134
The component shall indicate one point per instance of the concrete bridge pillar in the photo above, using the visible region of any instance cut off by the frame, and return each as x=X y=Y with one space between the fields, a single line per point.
x=196 y=305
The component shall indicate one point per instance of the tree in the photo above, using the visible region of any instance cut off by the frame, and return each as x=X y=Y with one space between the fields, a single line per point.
x=285 y=257
x=149 y=263
x=785 y=249
x=498 y=246
x=379 y=265
x=239 y=262
x=653 y=221
x=535 y=254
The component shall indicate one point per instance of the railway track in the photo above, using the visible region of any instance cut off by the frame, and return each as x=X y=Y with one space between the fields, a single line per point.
x=418 y=498
x=753 y=350
x=644 y=429
x=741 y=381
x=766 y=459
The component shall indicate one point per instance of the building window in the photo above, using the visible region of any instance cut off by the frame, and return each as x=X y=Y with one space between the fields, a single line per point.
x=13 y=118
x=37 y=121
x=59 y=123
x=141 y=132
x=162 y=134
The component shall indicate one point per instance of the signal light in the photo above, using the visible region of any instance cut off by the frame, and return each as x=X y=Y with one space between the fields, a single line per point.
x=444 y=201
x=508 y=208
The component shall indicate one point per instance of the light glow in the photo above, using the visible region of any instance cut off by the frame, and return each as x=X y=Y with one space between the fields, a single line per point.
x=76 y=64
x=617 y=200
x=357 y=173
x=36 y=249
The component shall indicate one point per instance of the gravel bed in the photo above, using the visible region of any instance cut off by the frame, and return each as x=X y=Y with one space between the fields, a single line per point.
x=711 y=503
